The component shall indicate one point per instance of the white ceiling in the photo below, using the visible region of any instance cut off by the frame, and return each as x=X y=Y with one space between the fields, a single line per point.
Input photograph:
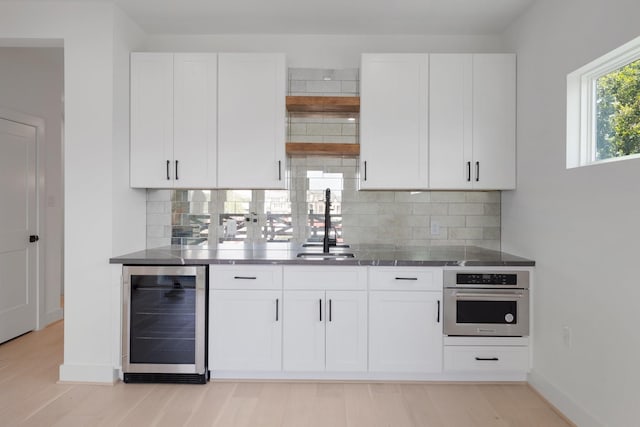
x=323 y=16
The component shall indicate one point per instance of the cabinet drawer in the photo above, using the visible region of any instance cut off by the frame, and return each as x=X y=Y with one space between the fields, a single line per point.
x=245 y=277
x=486 y=358
x=405 y=279
x=329 y=278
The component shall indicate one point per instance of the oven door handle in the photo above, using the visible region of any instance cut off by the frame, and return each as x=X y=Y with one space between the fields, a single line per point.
x=488 y=295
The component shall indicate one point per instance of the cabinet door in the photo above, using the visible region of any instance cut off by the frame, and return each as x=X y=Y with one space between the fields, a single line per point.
x=450 y=121
x=151 y=120
x=251 y=120
x=405 y=332
x=494 y=106
x=346 y=330
x=304 y=331
x=195 y=123
x=245 y=332
x=393 y=121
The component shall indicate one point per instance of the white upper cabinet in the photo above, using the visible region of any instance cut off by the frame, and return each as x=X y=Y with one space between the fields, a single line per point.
x=472 y=121
x=494 y=121
x=151 y=120
x=394 y=121
x=173 y=120
x=251 y=120
x=194 y=118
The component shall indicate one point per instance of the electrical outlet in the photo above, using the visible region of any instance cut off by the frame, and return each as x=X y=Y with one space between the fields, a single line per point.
x=566 y=336
x=435 y=228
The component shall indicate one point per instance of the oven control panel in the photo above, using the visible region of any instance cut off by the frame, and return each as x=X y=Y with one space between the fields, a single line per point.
x=486 y=279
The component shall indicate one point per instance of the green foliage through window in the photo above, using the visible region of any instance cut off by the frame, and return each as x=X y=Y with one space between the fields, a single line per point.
x=618 y=112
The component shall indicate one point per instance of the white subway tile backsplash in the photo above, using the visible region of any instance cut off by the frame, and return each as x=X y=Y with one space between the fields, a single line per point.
x=158 y=195
x=324 y=86
x=449 y=220
x=491 y=233
x=492 y=209
x=448 y=196
x=482 y=196
x=413 y=196
x=158 y=219
x=298 y=128
x=349 y=129
x=394 y=208
x=430 y=209
x=482 y=221
x=349 y=87
x=465 y=233
x=346 y=74
x=418 y=221
x=466 y=209
x=340 y=139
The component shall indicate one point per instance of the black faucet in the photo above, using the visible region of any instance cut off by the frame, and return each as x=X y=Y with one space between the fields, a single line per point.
x=326 y=241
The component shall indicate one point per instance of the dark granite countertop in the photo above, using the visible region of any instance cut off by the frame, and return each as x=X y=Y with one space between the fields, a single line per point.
x=286 y=253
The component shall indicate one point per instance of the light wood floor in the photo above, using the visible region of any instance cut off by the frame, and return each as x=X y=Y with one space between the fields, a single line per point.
x=30 y=396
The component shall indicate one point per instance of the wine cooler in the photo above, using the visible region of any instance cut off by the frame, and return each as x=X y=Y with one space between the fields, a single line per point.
x=164 y=332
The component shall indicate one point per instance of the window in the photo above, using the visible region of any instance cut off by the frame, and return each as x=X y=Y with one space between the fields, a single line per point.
x=603 y=108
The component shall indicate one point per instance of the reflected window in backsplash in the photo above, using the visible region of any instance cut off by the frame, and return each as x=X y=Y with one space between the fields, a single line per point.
x=402 y=218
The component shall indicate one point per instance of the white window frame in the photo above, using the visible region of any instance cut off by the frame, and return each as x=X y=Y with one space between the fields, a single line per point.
x=581 y=88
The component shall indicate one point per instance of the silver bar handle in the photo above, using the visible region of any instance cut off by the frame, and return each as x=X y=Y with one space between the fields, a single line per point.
x=487 y=295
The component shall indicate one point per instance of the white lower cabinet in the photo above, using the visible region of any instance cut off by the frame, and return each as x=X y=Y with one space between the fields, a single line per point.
x=325 y=329
x=246 y=330
x=405 y=331
x=486 y=354
x=245 y=318
x=341 y=322
x=405 y=319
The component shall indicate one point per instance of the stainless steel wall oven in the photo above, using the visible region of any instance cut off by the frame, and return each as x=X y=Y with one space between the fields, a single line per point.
x=164 y=324
x=486 y=303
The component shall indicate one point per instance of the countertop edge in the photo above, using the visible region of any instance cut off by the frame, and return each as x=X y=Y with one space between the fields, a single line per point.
x=349 y=262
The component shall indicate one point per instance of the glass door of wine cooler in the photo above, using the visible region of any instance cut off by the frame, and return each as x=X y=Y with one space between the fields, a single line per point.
x=164 y=319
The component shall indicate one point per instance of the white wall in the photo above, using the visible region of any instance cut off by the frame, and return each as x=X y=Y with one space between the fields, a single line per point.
x=580 y=225
x=91 y=161
x=324 y=51
x=129 y=206
x=31 y=82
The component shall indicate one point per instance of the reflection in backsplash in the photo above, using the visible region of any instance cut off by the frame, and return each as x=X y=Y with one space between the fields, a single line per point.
x=401 y=218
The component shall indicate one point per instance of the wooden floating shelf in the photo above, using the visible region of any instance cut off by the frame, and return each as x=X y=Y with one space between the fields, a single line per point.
x=323 y=104
x=322 y=148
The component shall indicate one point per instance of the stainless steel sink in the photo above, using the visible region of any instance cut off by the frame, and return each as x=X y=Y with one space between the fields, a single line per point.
x=330 y=255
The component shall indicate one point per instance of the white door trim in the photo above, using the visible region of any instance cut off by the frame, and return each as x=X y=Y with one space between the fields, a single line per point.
x=38 y=123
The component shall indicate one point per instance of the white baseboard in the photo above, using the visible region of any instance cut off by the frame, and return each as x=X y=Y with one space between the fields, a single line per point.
x=569 y=408
x=93 y=374
x=370 y=376
x=53 y=316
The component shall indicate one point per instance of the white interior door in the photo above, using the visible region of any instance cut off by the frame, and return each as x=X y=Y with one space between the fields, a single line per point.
x=18 y=216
